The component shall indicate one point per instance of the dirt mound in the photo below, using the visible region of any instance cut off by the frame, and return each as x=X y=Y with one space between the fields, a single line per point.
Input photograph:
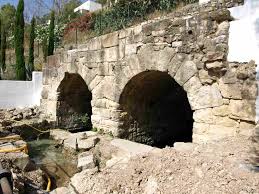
x=219 y=167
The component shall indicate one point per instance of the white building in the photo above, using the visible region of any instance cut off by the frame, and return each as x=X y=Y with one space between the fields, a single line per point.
x=89 y=5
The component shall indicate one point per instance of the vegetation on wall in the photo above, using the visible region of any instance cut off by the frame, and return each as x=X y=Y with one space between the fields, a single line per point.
x=19 y=42
x=122 y=14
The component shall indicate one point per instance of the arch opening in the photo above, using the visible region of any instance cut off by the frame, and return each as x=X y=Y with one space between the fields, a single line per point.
x=155 y=110
x=74 y=108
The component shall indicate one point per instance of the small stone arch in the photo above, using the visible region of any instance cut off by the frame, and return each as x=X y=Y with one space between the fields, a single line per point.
x=74 y=108
x=155 y=110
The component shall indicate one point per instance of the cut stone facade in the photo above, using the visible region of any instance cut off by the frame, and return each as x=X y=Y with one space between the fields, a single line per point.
x=189 y=45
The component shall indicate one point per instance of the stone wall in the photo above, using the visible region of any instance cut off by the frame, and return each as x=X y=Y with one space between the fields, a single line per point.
x=190 y=44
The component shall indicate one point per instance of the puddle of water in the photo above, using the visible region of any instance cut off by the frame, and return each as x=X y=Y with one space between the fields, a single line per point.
x=59 y=164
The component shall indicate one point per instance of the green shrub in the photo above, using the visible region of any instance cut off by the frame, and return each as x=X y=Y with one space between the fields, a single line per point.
x=123 y=13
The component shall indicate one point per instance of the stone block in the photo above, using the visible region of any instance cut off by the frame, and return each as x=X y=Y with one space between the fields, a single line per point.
x=219 y=131
x=231 y=91
x=223 y=28
x=110 y=40
x=242 y=109
x=131 y=49
x=204 y=116
x=200 y=128
x=205 y=97
x=111 y=54
x=88 y=143
x=221 y=111
x=94 y=44
x=226 y=122
x=85 y=161
x=192 y=85
x=125 y=33
x=122 y=45
x=215 y=65
x=205 y=77
x=185 y=72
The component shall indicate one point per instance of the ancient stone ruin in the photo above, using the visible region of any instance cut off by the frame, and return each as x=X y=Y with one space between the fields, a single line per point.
x=159 y=82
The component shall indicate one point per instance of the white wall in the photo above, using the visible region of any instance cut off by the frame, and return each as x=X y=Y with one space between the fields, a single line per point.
x=19 y=94
x=244 y=36
x=203 y=1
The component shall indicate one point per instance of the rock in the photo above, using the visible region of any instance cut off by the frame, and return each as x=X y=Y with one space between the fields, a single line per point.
x=231 y=91
x=245 y=71
x=87 y=144
x=215 y=65
x=23 y=162
x=182 y=147
x=85 y=161
x=6 y=123
x=110 y=40
x=219 y=131
x=243 y=109
x=79 y=181
x=175 y=63
x=204 y=116
x=221 y=111
x=185 y=72
x=61 y=190
x=192 y=85
x=226 y=122
x=205 y=77
x=18 y=117
x=59 y=134
x=152 y=186
x=205 y=97
x=223 y=28
x=131 y=148
x=214 y=56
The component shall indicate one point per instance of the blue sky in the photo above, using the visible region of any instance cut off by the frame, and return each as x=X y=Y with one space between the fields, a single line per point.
x=14 y=2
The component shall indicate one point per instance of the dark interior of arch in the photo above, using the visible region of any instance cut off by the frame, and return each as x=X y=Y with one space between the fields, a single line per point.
x=74 y=104
x=155 y=110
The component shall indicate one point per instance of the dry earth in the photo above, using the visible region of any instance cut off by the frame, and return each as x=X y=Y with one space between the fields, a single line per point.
x=218 y=167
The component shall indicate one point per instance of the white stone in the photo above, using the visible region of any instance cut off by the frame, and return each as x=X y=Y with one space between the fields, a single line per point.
x=181 y=146
x=215 y=65
x=131 y=148
x=85 y=161
x=152 y=186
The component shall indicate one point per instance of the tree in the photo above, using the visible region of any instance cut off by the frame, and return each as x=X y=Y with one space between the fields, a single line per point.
x=19 y=42
x=45 y=49
x=0 y=45
x=3 y=48
x=51 y=34
x=7 y=13
x=31 y=49
x=67 y=13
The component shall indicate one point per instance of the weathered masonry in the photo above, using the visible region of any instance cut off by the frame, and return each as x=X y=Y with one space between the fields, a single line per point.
x=162 y=81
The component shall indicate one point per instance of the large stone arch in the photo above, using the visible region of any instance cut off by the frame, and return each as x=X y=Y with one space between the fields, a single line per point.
x=155 y=110
x=73 y=109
